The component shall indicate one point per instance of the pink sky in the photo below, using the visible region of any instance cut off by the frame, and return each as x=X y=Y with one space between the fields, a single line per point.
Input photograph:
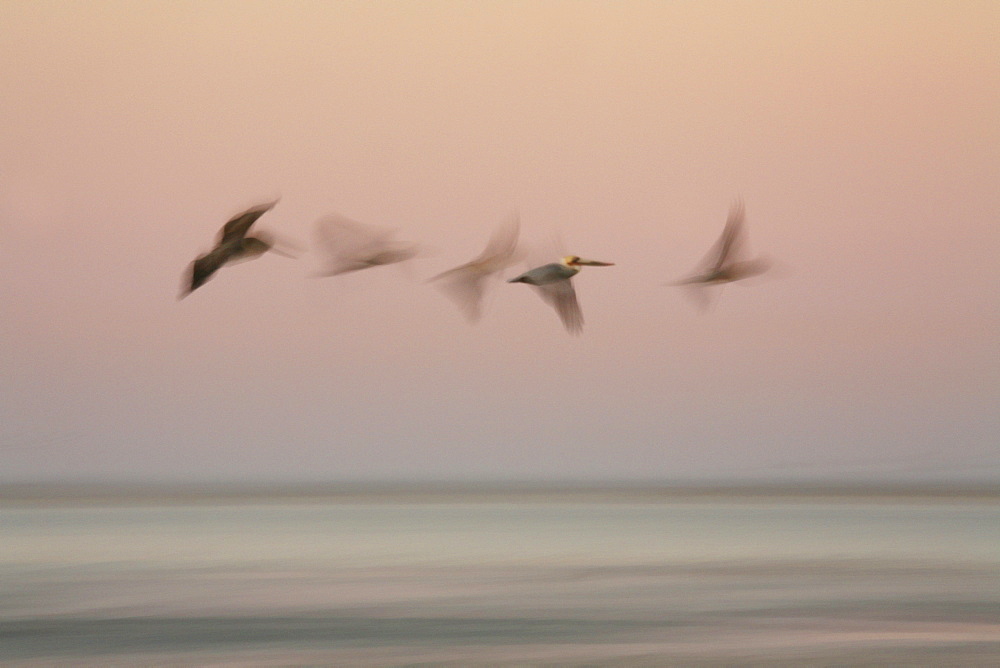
x=864 y=138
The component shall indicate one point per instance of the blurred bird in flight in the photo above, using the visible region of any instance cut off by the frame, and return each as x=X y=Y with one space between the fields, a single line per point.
x=348 y=245
x=232 y=246
x=724 y=262
x=466 y=284
x=554 y=286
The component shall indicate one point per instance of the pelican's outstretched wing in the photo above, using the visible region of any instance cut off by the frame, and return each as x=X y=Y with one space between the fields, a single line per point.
x=729 y=243
x=733 y=237
x=722 y=264
x=501 y=249
x=703 y=296
x=466 y=287
x=561 y=295
x=240 y=224
x=466 y=284
x=202 y=269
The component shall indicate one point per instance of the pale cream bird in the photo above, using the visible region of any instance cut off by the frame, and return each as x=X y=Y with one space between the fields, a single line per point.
x=555 y=287
x=347 y=245
x=466 y=284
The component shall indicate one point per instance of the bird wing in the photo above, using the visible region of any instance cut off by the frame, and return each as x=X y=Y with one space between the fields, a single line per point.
x=703 y=296
x=729 y=244
x=502 y=246
x=465 y=286
x=239 y=225
x=203 y=267
x=561 y=295
x=466 y=283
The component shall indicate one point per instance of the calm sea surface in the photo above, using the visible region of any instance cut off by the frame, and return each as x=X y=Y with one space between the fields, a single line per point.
x=470 y=581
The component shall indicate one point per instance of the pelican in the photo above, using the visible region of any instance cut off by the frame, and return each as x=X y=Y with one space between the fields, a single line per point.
x=466 y=284
x=232 y=246
x=352 y=246
x=722 y=264
x=553 y=283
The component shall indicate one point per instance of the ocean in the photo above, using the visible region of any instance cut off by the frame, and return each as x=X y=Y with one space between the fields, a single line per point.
x=596 y=577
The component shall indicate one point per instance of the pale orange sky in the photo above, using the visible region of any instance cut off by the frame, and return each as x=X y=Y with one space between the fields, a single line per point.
x=862 y=136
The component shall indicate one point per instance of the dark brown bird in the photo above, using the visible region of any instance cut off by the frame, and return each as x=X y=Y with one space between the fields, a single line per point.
x=232 y=246
x=723 y=264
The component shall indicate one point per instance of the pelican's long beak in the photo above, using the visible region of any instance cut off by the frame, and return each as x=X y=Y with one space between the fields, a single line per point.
x=593 y=263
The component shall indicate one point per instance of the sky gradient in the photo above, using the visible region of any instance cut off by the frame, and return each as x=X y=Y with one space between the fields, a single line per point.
x=863 y=137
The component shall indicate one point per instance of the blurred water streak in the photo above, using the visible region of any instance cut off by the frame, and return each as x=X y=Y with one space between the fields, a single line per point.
x=464 y=580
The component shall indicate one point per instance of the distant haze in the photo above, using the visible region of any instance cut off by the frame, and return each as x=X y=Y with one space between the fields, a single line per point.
x=863 y=138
